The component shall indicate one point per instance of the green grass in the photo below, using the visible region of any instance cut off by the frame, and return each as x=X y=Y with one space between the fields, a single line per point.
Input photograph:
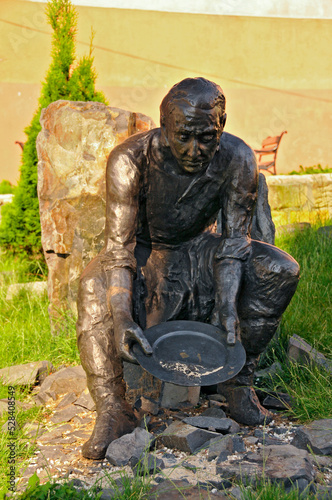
x=310 y=389
x=310 y=311
x=21 y=268
x=56 y=491
x=25 y=332
x=25 y=336
x=309 y=315
x=24 y=445
x=272 y=491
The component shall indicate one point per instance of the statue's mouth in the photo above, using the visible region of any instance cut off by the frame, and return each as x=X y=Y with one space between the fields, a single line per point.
x=193 y=165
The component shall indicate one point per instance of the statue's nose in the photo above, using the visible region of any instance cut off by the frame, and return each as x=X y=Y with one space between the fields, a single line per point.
x=193 y=148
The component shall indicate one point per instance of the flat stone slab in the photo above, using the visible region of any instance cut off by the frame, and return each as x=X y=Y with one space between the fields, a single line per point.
x=4 y=405
x=285 y=464
x=85 y=400
x=148 y=464
x=180 y=489
x=214 y=412
x=175 y=396
x=222 y=425
x=317 y=435
x=66 y=414
x=281 y=401
x=26 y=374
x=35 y=287
x=70 y=379
x=300 y=351
x=225 y=444
x=185 y=437
x=49 y=454
x=67 y=400
x=121 y=450
x=55 y=433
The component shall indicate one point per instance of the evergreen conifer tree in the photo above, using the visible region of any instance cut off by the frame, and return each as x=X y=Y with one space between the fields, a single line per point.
x=20 y=224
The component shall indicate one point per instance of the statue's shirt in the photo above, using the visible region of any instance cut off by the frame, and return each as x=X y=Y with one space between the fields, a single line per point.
x=149 y=199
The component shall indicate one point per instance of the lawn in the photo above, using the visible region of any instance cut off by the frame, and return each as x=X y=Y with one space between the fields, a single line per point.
x=25 y=335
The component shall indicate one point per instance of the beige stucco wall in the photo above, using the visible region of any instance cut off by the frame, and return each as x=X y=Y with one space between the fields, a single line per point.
x=276 y=72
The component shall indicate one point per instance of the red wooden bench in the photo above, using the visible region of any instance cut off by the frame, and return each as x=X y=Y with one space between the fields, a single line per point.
x=269 y=149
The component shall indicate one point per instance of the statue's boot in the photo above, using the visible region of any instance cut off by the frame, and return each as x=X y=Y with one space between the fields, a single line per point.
x=243 y=403
x=115 y=418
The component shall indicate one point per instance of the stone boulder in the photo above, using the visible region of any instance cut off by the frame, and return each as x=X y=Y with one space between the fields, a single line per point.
x=277 y=463
x=315 y=436
x=70 y=379
x=299 y=351
x=73 y=147
x=27 y=374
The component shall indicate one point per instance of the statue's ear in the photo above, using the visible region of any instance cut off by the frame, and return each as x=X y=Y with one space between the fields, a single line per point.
x=223 y=121
x=164 y=133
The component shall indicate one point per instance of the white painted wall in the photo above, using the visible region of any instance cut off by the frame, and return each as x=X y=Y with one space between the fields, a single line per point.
x=300 y=9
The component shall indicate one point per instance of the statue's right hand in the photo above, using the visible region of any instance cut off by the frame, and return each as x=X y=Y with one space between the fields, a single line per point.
x=127 y=333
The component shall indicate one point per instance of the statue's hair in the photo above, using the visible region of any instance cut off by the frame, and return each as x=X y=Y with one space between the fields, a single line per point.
x=196 y=92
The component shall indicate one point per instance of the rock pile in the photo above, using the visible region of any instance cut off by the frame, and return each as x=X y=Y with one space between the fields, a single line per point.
x=196 y=450
x=190 y=445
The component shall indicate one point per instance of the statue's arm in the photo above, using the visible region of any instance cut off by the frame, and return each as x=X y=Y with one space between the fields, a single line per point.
x=237 y=210
x=122 y=193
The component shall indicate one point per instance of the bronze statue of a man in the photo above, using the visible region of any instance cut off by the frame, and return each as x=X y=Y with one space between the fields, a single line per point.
x=162 y=261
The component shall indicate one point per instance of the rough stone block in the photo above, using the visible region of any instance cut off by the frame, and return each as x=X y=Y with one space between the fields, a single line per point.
x=121 y=450
x=227 y=445
x=147 y=405
x=222 y=425
x=67 y=400
x=280 y=401
x=27 y=374
x=185 y=437
x=85 y=400
x=317 y=435
x=285 y=464
x=140 y=383
x=73 y=147
x=146 y=464
x=66 y=414
x=214 y=412
x=55 y=433
x=70 y=379
x=300 y=351
x=173 y=396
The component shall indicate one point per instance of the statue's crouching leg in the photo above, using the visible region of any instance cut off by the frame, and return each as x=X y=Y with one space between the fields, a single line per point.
x=269 y=284
x=102 y=364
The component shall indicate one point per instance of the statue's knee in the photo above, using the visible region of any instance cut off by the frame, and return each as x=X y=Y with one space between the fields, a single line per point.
x=290 y=270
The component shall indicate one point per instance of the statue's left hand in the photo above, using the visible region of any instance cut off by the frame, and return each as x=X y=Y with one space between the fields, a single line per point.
x=231 y=326
x=127 y=334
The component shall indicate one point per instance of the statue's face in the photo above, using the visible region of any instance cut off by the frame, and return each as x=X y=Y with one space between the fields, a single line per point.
x=193 y=136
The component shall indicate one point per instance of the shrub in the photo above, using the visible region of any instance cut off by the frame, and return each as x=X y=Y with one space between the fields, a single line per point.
x=6 y=187
x=20 y=226
x=315 y=169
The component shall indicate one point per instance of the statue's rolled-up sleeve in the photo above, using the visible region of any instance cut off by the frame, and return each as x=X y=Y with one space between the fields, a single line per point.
x=238 y=202
x=122 y=194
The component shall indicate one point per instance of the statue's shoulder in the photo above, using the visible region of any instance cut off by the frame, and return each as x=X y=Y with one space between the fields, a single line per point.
x=138 y=143
x=235 y=149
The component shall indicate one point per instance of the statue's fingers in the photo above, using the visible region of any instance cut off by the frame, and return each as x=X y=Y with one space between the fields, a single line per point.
x=231 y=338
x=143 y=342
x=126 y=354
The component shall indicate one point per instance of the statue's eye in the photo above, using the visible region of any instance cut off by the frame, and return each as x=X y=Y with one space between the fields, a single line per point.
x=207 y=138
x=183 y=137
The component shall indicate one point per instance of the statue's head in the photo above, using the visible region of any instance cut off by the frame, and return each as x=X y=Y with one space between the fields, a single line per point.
x=192 y=119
